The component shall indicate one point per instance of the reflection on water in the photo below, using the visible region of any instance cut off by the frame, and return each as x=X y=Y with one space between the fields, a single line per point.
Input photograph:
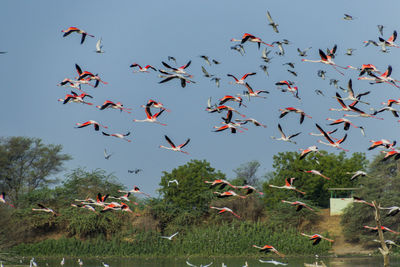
x=230 y=262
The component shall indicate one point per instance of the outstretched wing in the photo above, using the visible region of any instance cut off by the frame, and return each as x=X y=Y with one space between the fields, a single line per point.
x=169 y=141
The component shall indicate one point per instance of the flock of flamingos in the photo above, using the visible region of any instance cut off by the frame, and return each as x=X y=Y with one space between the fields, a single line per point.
x=352 y=105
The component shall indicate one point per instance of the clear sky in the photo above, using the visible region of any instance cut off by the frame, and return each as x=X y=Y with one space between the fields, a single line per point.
x=147 y=32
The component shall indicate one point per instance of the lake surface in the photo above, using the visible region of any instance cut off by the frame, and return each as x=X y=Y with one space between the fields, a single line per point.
x=230 y=262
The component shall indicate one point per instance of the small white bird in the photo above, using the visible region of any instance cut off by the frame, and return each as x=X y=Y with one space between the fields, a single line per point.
x=201 y=265
x=273 y=262
x=169 y=237
x=80 y=262
x=105 y=264
x=32 y=263
x=107 y=156
x=99 y=46
x=173 y=181
x=62 y=262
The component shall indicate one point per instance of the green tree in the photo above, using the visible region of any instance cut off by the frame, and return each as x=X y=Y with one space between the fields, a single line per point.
x=247 y=174
x=81 y=184
x=27 y=164
x=334 y=166
x=191 y=193
x=382 y=185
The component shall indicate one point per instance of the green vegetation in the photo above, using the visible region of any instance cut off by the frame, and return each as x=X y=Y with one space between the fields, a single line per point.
x=225 y=239
x=264 y=219
x=383 y=185
x=26 y=164
x=334 y=166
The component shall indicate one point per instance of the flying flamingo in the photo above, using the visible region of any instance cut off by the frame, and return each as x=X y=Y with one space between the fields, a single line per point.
x=326 y=59
x=124 y=198
x=224 y=107
x=390 y=102
x=229 y=193
x=357 y=174
x=360 y=200
x=331 y=52
x=135 y=190
x=155 y=104
x=298 y=204
x=317 y=173
x=392 y=153
x=317 y=238
x=118 y=135
x=74 y=97
x=331 y=143
x=365 y=68
x=111 y=206
x=251 y=38
x=361 y=114
x=344 y=106
x=75 y=29
x=219 y=182
x=384 y=229
x=391 y=41
x=44 y=209
x=110 y=104
x=84 y=206
x=284 y=137
x=394 y=111
x=241 y=80
x=383 y=142
x=225 y=209
x=91 y=122
x=392 y=210
x=294 y=90
x=125 y=207
x=352 y=96
x=383 y=78
x=70 y=83
x=168 y=76
x=268 y=248
x=88 y=76
x=3 y=199
x=145 y=69
x=150 y=117
x=251 y=93
x=288 y=185
x=295 y=110
x=305 y=152
x=249 y=189
x=180 y=70
x=175 y=148
x=254 y=121
x=346 y=123
x=231 y=98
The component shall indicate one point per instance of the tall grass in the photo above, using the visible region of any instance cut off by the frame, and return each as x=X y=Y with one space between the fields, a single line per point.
x=222 y=240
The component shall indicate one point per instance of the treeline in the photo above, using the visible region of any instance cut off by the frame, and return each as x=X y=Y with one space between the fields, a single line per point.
x=182 y=207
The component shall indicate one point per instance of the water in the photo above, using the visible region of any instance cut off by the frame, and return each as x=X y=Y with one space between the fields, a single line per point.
x=229 y=261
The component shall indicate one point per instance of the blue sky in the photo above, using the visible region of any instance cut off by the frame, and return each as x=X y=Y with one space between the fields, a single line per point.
x=147 y=32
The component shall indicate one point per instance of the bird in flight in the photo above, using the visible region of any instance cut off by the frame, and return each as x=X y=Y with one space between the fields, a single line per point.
x=99 y=46
x=284 y=137
x=106 y=155
x=169 y=237
x=75 y=29
x=135 y=171
x=173 y=147
x=173 y=181
x=272 y=23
